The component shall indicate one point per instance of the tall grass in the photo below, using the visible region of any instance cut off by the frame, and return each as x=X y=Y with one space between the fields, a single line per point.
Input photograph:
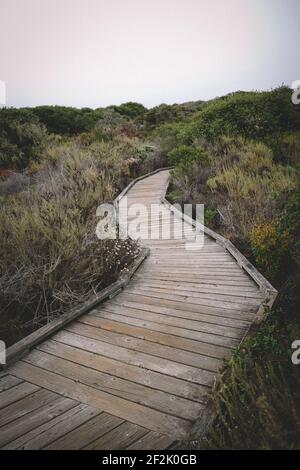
x=241 y=180
x=50 y=257
x=257 y=400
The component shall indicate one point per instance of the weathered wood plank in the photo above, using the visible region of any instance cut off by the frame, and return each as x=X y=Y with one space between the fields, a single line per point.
x=119 y=438
x=148 y=347
x=138 y=414
x=16 y=393
x=149 y=378
x=131 y=391
x=55 y=427
x=8 y=381
x=210 y=315
x=26 y=405
x=193 y=298
x=86 y=433
x=146 y=361
x=152 y=441
x=173 y=330
x=194 y=325
x=157 y=337
x=34 y=419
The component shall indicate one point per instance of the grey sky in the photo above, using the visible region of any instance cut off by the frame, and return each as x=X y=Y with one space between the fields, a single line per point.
x=100 y=52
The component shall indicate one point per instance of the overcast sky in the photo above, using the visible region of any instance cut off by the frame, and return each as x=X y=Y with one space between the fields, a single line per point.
x=99 y=52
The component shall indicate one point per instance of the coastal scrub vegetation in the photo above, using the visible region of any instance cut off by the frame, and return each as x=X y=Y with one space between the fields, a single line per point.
x=238 y=154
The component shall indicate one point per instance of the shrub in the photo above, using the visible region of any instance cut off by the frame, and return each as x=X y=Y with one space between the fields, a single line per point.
x=22 y=138
x=50 y=257
x=270 y=246
x=185 y=155
x=289 y=148
x=249 y=114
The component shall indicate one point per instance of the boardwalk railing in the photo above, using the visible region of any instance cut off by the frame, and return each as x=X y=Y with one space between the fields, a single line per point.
x=264 y=285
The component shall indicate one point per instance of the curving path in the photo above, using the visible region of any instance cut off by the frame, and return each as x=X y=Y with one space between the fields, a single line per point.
x=134 y=373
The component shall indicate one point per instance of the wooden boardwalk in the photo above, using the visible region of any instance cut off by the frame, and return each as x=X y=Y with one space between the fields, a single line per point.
x=134 y=373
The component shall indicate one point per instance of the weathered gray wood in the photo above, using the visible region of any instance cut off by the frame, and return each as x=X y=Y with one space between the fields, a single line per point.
x=55 y=427
x=16 y=393
x=86 y=433
x=119 y=438
x=145 y=417
x=152 y=441
x=182 y=332
x=33 y=419
x=135 y=374
x=148 y=347
x=26 y=405
x=8 y=381
x=170 y=340
x=165 y=402
x=163 y=366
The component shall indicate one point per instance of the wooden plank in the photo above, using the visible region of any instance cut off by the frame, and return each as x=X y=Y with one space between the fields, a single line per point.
x=174 y=369
x=215 y=316
x=16 y=393
x=184 y=291
x=131 y=391
x=199 y=280
x=152 y=441
x=145 y=299
x=182 y=332
x=8 y=381
x=86 y=433
x=193 y=298
x=32 y=420
x=142 y=345
x=119 y=438
x=239 y=321
x=136 y=374
x=232 y=271
x=198 y=347
x=203 y=288
x=194 y=325
x=55 y=427
x=161 y=261
x=138 y=414
x=26 y=405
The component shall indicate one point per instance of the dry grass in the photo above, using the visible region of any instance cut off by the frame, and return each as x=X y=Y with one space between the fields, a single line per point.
x=240 y=179
x=50 y=257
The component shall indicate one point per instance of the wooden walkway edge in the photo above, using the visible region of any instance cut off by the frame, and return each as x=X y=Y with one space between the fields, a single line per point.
x=136 y=371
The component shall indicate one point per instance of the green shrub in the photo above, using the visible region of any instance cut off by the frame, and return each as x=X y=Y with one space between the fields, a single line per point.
x=185 y=155
x=252 y=115
x=22 y=138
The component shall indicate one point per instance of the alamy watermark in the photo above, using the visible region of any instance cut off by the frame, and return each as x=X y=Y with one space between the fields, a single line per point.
x=2 y=352
x=296 y=354
x=296 y=93
x=2 y=93
x=153 y=222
